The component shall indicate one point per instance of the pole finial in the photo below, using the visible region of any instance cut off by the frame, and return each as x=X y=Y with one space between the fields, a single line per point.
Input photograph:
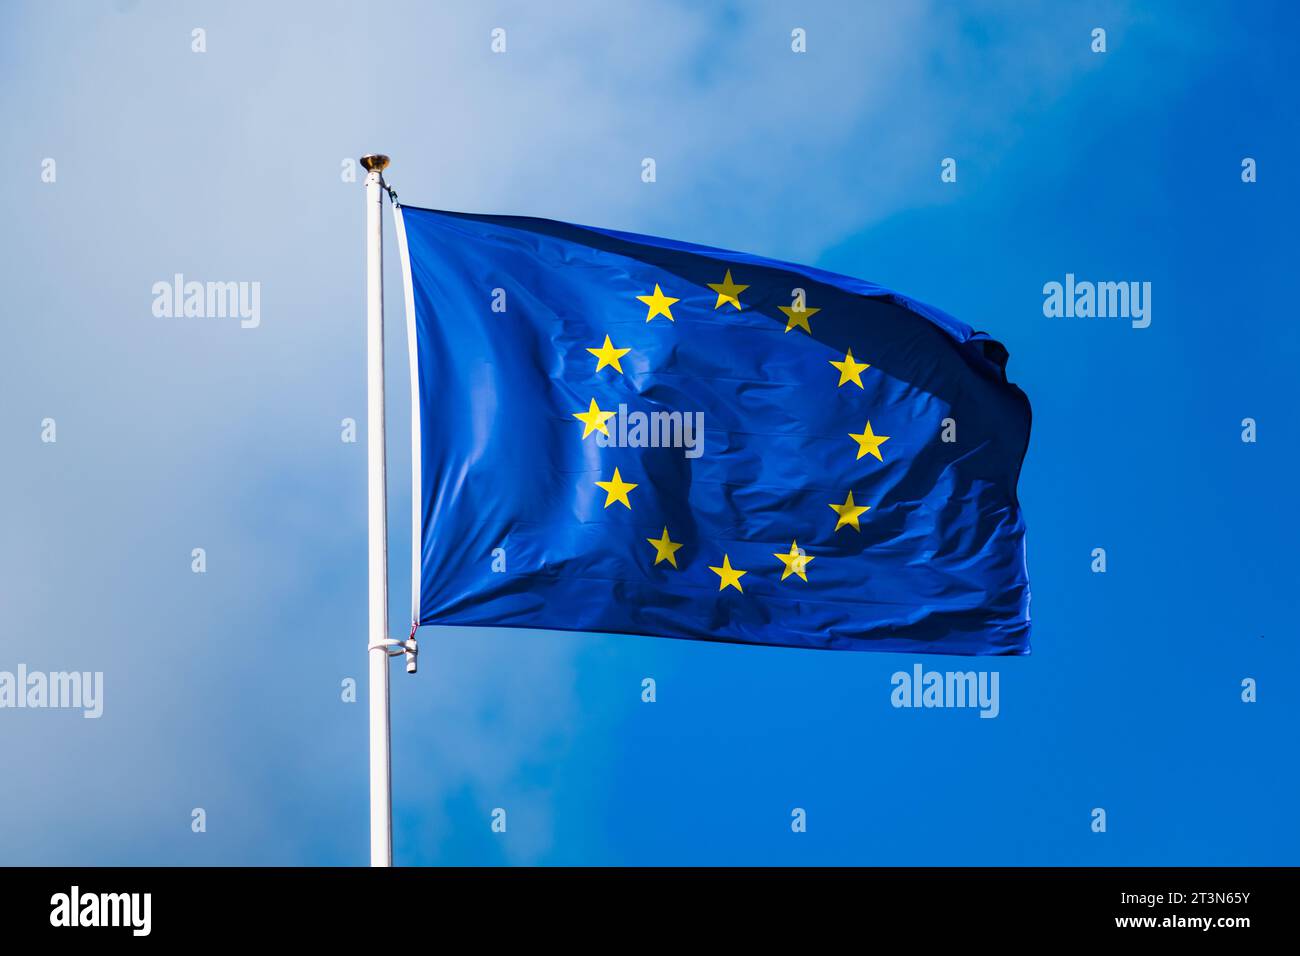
x=374 y=161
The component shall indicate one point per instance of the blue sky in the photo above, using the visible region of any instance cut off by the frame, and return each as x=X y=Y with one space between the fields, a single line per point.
x=222 y=689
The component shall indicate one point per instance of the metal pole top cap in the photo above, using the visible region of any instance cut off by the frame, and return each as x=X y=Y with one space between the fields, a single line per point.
x=374 y=161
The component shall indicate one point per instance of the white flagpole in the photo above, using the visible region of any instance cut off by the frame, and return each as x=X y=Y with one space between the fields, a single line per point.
x=381 y=800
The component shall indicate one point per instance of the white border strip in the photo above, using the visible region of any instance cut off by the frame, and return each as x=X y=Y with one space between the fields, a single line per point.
x=417 y=493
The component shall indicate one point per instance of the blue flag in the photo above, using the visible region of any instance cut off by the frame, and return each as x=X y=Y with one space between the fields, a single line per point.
x=626 y=434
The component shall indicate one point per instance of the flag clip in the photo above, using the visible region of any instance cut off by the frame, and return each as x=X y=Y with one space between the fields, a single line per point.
x=395 y=648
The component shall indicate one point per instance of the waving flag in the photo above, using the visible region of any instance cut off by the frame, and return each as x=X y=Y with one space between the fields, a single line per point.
x=627 y=434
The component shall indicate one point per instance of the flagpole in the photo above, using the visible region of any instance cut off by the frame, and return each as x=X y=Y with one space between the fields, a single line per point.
x=381 y=800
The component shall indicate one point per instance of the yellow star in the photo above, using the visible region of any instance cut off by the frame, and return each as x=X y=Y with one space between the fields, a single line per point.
x=850 y=371
x=869 y=442
x=659 y=304
x=727 y=291
x=609 y=355
x=616 y=490
x=796 y=562
x=728 y=576
x=593 y=419
x=665 y=550
x=849 y=513
x=798 y=317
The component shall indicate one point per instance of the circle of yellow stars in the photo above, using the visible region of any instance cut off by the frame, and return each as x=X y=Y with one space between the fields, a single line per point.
x=617 y=491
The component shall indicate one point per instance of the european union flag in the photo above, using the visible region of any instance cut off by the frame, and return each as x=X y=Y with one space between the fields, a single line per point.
x=633 y=435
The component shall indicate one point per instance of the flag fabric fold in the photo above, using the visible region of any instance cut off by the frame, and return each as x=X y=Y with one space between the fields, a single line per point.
x=633 y=435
